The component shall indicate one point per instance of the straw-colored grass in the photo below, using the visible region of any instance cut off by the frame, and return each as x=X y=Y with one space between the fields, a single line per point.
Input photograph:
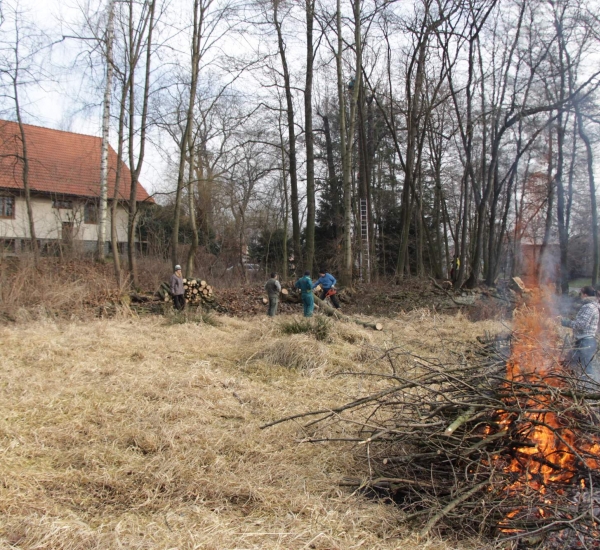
x=140 y=434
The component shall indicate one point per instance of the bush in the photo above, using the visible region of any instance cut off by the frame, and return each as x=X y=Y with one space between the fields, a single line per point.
x=319 y=327
x=199 y=317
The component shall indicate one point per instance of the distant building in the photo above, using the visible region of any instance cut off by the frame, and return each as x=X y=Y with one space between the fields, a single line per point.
x=539 y=264
x=64 y=180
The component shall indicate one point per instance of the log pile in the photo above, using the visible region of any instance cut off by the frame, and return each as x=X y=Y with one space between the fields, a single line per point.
x=479 y=446
x=197 y=292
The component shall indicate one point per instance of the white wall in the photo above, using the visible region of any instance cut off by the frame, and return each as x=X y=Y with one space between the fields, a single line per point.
x=48 y=221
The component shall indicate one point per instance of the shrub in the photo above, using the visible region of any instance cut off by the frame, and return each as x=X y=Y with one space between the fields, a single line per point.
x=199 y=317
x=319 y=327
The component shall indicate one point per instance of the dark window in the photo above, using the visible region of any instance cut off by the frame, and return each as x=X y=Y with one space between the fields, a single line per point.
x=7 y=207
x=7 y=245
x=90 y=213
x=62 y=203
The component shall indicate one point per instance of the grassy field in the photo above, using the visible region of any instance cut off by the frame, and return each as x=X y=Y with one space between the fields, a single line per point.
x=145 y=433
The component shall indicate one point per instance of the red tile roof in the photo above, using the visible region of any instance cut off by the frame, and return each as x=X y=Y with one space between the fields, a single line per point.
x=62 y=163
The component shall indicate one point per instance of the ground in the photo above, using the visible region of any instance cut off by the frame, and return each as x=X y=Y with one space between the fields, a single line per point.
x=146 y=433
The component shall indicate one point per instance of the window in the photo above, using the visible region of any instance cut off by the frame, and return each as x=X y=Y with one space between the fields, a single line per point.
x=62 y=203
x=7 y=246
x=90 y=213
x=7 y=207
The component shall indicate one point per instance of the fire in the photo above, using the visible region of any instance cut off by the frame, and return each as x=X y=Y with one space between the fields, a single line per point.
x=548 y=451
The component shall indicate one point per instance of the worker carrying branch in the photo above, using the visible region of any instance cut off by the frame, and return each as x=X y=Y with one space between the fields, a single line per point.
x=327 y=282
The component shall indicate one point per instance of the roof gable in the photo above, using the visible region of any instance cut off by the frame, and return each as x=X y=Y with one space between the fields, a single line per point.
x=62 y=163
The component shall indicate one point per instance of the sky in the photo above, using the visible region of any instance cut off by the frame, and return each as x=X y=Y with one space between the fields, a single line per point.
x=65 y=100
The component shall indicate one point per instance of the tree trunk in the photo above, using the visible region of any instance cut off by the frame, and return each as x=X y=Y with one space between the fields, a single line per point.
x=592 y=185
x=291 y=138
x=308 y=130
x=114 y=237
x=103 y=204
x=25 y=172
x=135 y=173
x=186 y=140
x=191 y=206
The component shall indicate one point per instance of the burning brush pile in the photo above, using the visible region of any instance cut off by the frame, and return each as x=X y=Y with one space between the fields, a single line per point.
x=502 y=444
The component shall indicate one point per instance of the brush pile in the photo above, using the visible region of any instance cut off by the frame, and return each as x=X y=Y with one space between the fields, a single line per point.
x=505 y=443
x=249 y=300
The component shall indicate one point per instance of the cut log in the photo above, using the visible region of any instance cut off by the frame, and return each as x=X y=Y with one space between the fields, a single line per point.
x=332 y=312
x=518 y=285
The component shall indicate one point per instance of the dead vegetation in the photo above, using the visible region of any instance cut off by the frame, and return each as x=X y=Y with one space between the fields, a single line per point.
x=140 y=434
x=501 y=440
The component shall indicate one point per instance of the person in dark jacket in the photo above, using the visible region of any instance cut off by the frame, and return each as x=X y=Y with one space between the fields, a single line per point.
x=327 y=282
x=177 y=289
x=273 y=288
x=305 y=284
x=585 y=326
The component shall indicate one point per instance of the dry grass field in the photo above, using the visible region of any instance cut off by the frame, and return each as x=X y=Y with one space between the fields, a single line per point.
x=145 y=433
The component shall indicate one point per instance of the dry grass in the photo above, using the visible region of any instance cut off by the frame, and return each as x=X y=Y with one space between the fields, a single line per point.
x=67 y=289
x=119 y=434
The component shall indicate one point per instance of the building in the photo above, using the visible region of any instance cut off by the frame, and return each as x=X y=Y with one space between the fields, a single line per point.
x=64 y=181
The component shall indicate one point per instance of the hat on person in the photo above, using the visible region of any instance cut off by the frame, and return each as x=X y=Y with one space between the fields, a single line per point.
x=177 y=267
x=307 y=273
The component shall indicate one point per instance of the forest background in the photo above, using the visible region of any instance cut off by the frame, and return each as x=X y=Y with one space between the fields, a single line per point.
x=382 y=139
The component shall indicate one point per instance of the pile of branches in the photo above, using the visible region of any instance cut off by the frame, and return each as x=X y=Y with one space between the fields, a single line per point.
x=249 y=300
x=454 y=446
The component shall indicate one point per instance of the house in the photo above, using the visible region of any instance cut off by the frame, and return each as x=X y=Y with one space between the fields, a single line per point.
x=64 y=181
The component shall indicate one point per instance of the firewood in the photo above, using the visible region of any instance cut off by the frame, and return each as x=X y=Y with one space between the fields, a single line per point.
x=332 y=312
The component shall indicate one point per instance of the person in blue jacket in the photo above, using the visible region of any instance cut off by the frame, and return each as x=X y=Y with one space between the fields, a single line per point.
x=327 y=282
x=305 y=285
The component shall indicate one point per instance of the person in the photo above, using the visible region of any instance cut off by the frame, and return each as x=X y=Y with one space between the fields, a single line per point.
x=584 y=326
x=177 y=289
x=454 y=268
x=327 y=282
x=273 y=288
x=305 y=285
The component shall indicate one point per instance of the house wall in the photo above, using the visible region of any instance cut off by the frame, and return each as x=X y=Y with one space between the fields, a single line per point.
x=49 y=222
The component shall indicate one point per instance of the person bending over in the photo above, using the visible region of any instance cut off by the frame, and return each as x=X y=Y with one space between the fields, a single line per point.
x=327 y=282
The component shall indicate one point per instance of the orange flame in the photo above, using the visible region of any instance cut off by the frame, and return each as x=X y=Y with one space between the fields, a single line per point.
x=549 y=449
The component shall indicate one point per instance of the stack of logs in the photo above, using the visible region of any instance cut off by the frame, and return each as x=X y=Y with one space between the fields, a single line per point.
x=196 y=291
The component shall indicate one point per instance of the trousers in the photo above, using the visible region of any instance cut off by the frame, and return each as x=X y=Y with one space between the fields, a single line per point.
x=178 y=302
x=273 y=301
x=333 y=298
x=582 y=363
x=308 y=303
